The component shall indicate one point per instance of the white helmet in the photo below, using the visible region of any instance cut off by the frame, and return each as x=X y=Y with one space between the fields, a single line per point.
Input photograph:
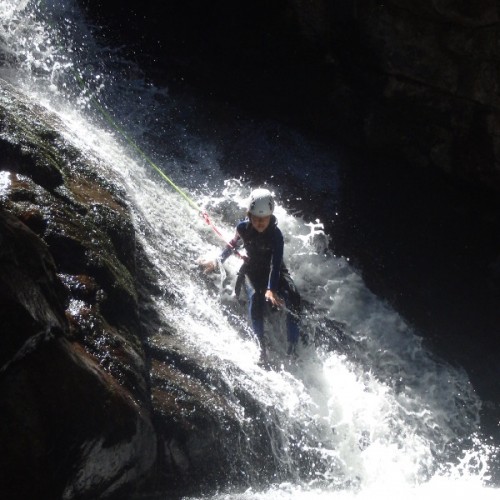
x=261 y=203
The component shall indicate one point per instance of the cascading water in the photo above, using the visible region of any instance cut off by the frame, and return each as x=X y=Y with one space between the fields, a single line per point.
x=368 y=411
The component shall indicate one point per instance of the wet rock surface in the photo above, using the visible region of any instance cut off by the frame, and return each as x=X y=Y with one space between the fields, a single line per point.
x=210 y=433
x=76 y=415
x=90 y=407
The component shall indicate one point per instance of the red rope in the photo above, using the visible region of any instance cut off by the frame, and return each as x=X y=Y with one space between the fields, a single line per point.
x=206 y=218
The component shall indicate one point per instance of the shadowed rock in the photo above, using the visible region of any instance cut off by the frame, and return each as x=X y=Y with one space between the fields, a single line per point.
x=75 y=399
x=100 y=399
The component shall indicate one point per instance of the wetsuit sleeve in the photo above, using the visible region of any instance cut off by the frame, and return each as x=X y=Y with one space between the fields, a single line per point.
x=230 y=247
x=276 y=260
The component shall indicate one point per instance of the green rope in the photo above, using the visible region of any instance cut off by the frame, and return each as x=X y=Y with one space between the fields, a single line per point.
x=131 y=142
x=134 y=145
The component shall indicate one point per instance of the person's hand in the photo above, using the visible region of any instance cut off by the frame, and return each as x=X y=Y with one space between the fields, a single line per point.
x=274 y=298
x=208 y=266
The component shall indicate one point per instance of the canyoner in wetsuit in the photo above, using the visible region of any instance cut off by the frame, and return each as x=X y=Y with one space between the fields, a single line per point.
x=264 y=273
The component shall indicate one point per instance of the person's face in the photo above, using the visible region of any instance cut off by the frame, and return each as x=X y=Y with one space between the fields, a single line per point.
x=260 y=224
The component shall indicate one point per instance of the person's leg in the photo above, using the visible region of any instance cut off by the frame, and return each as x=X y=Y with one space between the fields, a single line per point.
x=256 y=303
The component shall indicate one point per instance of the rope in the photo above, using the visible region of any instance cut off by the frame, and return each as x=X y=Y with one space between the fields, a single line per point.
x=134 y=145
x=193 y=204
x=221 y=236
x=202 y=213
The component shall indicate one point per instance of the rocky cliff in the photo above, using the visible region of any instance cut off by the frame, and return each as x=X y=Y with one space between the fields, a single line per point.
x=89 y=377
x=98 y=399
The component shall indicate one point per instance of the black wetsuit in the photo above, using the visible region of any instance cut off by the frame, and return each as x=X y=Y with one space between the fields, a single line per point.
x=264 y=270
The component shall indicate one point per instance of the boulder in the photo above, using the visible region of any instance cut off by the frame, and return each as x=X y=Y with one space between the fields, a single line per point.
x=100 y=398
x=76 y=412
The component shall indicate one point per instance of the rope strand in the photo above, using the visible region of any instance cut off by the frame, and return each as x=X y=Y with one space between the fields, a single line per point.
x=133 y=144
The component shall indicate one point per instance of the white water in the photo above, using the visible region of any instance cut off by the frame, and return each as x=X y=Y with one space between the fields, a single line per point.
x=376 y=416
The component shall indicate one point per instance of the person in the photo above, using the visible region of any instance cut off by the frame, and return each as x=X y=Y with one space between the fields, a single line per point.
x=264 y=273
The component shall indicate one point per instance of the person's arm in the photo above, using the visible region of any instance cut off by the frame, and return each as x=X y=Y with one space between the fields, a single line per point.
x=230 y=247
x=274 y=274
x=210 y=265
x=276 y=260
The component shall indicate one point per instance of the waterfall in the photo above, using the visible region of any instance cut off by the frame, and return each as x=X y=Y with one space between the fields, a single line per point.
x=367 y=409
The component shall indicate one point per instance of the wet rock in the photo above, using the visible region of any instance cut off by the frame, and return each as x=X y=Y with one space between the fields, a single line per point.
x=18 y=158
x=100 y=398
x=69 y=429
x=76 y=419
x=32 y=297
x=210 y=433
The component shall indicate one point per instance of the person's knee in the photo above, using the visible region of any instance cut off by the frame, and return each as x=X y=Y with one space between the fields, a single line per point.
x=256 y=305
x=258 y=327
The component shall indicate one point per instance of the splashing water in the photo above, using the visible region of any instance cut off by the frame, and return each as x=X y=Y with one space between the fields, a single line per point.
x=368 y=411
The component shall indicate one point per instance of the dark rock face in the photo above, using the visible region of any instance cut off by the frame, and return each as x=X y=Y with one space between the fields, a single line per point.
x=100 y=399
x=76 y=413
x=438 y=103
x=203 y=443
x=69 y=428
x=29 y=288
